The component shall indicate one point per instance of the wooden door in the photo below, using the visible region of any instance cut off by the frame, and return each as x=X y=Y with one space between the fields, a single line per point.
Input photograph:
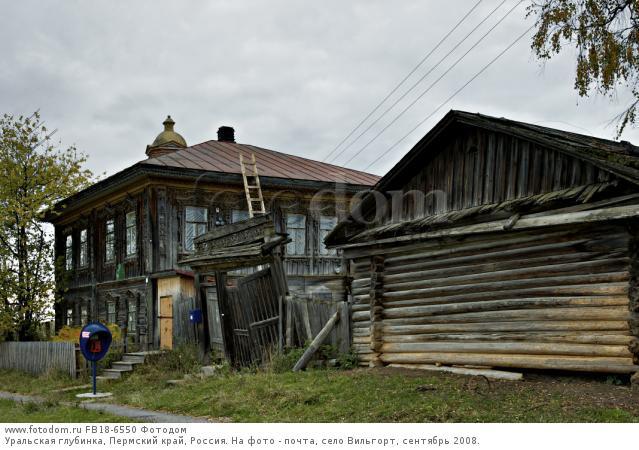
x=166 y=322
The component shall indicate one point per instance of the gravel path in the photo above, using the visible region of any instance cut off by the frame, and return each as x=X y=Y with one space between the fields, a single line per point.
x=117 y=410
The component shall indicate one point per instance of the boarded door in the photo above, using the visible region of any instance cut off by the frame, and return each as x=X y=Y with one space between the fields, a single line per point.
x=166 y=322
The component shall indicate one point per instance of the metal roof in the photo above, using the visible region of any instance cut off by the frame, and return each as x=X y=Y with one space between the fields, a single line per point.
x=216 y=156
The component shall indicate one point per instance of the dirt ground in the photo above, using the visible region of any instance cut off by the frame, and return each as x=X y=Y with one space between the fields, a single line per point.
x=598 y=390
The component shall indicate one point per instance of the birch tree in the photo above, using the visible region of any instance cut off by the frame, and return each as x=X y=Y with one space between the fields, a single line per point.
x=35 y=174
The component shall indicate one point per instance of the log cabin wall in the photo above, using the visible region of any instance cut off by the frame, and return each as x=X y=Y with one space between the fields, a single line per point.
x=554 y=299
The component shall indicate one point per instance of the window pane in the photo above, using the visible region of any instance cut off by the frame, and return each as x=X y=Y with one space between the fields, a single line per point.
x=111 y=316
x=131 y=241
x=238 y=215
x=84 y=249
x=133 y=315
x=68 y=253
x=327 y=223
x=196 y=214
x=130 y=219
x=109 y=243
x=189 y=235
x=296 y=229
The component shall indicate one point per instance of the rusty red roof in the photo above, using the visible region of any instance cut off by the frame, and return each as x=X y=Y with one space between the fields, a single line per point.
x=216 y=156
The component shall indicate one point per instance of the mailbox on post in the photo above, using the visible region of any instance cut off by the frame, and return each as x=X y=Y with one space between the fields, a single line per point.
x=195 y=316
x=95 y=340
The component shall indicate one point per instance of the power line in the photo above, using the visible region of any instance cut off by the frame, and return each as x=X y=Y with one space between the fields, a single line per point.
x=450 y=52
x=483 y=69
x=404 y=79
x=410 y=105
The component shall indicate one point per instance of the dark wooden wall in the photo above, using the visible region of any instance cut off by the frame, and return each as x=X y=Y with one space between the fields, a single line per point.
x=478 y=167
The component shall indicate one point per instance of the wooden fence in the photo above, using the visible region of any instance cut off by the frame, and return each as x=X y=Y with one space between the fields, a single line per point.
x=306 y=316
x=39 y=357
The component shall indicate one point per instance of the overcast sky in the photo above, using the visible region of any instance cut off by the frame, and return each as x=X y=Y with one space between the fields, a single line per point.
x=291 y=76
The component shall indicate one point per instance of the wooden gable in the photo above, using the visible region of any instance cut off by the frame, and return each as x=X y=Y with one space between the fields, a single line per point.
x=475 y=166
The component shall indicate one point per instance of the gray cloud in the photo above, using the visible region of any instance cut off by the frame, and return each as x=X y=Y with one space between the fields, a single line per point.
x=291 y=76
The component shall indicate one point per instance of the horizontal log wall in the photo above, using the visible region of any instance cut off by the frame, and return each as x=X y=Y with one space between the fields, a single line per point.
x=560 y=301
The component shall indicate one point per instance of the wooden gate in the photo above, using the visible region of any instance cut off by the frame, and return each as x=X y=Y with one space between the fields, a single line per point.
x=253 y=319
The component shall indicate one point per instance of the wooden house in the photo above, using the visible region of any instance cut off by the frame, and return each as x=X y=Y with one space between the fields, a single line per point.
x=497 y=243
x=121 y=240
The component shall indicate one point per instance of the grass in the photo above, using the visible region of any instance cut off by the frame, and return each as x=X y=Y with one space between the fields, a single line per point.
x=361 y=395
x=15 y=381
x=50 y=412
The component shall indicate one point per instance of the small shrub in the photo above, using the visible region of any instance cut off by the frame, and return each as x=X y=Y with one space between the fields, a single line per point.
x=183 y=359
x=279 y=362
x=347 y=361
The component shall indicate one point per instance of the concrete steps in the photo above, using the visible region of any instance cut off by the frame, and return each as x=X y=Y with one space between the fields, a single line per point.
x=126 y=365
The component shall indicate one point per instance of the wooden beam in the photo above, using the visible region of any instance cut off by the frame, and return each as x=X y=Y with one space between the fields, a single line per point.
x=524 y=223
x=488 y=373
x=319 y=339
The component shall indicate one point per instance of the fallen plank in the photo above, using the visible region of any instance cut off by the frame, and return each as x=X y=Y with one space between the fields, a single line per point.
x=488 y=373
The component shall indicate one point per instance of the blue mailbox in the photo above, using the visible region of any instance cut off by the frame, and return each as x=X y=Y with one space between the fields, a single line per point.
x=95 y=340
x=195 y=316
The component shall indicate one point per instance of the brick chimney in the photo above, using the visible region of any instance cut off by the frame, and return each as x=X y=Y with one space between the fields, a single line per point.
x=226 y=134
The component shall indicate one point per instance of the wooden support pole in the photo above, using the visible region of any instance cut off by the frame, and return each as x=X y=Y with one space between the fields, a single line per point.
x=319 y=339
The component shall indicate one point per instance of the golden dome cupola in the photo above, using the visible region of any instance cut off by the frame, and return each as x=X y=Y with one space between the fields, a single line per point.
x=167 y=141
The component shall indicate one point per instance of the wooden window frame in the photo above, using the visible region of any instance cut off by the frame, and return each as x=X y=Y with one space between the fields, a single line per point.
x=83 y=259
x=292 y=247
x=323 y=232
x=114 y=313
x=187 y=245
x=68 y=251
x=131 y=234
x=132 y=312
x=109 y=241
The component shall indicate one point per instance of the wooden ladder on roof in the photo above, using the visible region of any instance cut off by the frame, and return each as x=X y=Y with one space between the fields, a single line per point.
x=252 y=186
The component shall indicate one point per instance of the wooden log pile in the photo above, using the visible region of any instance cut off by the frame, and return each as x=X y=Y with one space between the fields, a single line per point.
x=562 y=299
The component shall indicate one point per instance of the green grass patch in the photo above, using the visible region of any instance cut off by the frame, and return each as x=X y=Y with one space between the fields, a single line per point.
x=361 y=395
x=50 y=412
x=15 y=381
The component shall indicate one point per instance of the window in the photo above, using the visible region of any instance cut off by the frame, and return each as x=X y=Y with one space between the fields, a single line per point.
x=109 y=241
x=69 y=318
x=131 y=234
x=132 y=323
x=84 y=315
x=111 y=314
x=68 y=252
x=327 y=223
x=84 y=248
x=238 y=215
x=296 y=229
x=195 y=225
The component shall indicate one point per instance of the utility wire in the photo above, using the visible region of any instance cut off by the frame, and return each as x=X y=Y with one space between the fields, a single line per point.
x=410 y=105
x=450 y=52
x=404 y=79
x=483 y=69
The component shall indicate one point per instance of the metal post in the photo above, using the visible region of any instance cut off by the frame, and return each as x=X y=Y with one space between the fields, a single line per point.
x=93 y=367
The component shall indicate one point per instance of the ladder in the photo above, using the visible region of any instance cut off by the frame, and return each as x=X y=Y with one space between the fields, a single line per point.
x=251 y=185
